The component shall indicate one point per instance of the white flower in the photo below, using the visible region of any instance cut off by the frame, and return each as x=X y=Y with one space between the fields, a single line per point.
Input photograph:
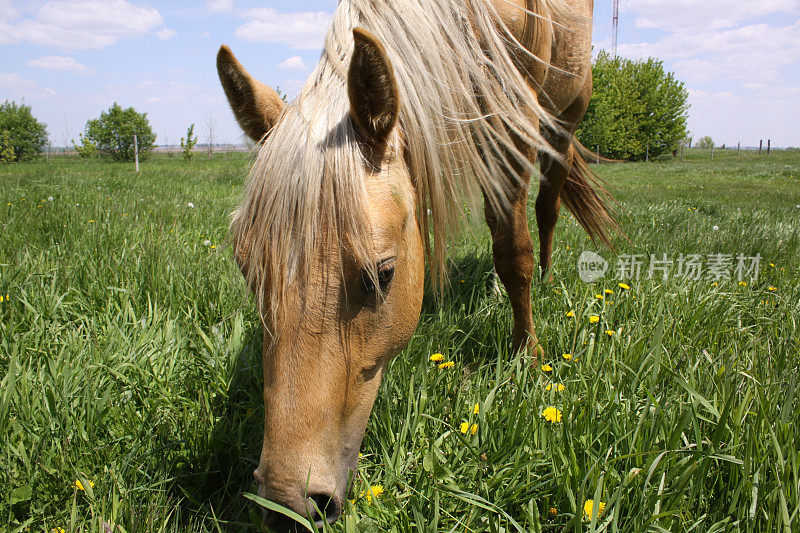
x=190 y=205
x=206 y=243
x=715 y=228
x=49 y=198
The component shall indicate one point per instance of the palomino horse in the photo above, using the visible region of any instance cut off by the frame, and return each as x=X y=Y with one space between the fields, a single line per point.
x=414 y=105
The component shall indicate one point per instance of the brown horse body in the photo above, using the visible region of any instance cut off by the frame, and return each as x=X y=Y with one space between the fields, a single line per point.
x=337 y=261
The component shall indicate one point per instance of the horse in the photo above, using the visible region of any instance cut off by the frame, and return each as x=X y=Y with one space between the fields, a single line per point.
x=358 y=184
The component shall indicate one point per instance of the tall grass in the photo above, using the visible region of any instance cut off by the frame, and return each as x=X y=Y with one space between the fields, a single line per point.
x=129 y=358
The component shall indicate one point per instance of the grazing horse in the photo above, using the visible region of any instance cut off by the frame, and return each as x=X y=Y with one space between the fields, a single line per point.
x=414 y=106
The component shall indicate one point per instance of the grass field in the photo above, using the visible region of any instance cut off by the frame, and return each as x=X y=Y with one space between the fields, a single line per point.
x=129 y=358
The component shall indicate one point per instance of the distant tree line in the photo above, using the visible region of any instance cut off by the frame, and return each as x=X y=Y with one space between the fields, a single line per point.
x=637 y=109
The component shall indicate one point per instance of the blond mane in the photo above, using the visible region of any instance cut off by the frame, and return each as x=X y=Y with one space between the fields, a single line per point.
x=465 y=108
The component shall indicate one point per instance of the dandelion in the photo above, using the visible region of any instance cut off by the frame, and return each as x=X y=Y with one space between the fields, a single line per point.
x=446 y=364
x=463 y=281
x=588 y=508
x=78 y=485
x=743 y=284
x=553 y=511
x=608 y=291
x=624 y=286
x=476 y=409
x=190 y=205
x=206 y=243
x=567 y=356
x=373 y=492
x=58 y=530
x=772 y=289
x=570 y=314
x=49 y=198
x=714 y=284
x=547 y=368
x=599 y=296
x=610 y=332
x=1 y=299
x=560 y=387
x=465 y=428
x=715 y=228
x=437 y=357
x=594 y=319
x=551 y=414
x=771 y=264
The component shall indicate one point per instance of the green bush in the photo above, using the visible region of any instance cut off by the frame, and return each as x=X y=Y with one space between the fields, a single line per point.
x=113 y=133
x=23 y=137
x=636 y=107
x=188 y=143
x=706 y=143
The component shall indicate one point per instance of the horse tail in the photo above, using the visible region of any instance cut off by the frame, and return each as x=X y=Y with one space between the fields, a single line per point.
x=584 y=195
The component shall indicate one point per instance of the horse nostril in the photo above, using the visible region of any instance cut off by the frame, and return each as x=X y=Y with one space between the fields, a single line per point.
x=324 y=507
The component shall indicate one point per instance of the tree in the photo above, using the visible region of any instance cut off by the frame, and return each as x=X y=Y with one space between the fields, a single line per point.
x=25 y=135
x=6 y=149
x=188 y=143
x=706 y=143
x=636 y=106
x=113 y=133
x=86 y=149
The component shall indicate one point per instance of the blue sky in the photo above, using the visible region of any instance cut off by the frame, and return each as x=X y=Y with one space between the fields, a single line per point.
x=71 y=59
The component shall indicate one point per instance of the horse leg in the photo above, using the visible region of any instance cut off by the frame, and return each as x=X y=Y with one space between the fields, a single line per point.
x=512 y=250
x=554 y=174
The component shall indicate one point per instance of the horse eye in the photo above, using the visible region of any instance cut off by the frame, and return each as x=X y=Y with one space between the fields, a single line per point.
x=385 y=276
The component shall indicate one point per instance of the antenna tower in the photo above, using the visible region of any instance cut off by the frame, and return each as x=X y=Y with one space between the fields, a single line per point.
x=615 y=27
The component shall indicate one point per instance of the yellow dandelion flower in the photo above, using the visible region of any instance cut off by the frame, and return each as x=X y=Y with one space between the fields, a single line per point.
x=58 y=530
x=553 y=511
x=714 y=284
x=570 y=314
x=610 y=332
x=567 y=356
x=608 y=291
x=610 y=302
x=559 y=387
x=464 y=427
x=588 y=508
x=446 y=364
x=771 y=264
x=78 y=485
x=463 y=281
x=624 y=286
x=437 y=357
x=599 y=296
x=1 y=299
x=551 y=414
x=772 y=289
x=473 y=429
x=373 y=492
x=594 y=319
x=743 y=284
x=476 y=409
x=547 y=368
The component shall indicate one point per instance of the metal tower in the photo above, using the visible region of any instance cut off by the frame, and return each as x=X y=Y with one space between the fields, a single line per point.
x=615 y=27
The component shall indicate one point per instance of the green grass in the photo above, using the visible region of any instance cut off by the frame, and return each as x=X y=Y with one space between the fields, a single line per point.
x=129 y=357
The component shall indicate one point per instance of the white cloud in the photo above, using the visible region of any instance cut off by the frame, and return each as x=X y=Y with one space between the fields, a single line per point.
x=60 y=63
x=166 y=33
x=301 y=30
x=82 y=24
x=293 y=63
x=691 y=15
x=15 y=82
x=219 y=5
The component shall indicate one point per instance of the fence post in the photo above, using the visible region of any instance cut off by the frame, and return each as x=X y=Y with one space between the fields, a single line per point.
x=738 y=149
x=681 y=153
x=597 y=159
x=136 y=152
x=647 y=153
x=712 y=152
x=769 y=142
x=760 y=145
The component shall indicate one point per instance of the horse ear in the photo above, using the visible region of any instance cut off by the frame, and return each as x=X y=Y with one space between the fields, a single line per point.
x=374 y=102
x=255 y=106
